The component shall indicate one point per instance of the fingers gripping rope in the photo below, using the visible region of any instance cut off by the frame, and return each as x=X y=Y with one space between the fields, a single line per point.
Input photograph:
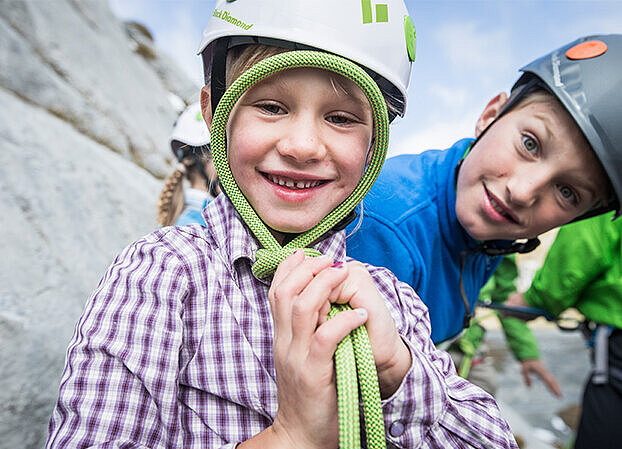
x=354 y=352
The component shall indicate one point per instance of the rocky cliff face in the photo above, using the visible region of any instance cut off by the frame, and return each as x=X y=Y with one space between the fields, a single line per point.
x=86 y=106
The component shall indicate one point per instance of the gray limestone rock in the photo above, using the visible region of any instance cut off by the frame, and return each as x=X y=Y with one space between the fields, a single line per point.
x=75 y=59
x=85 y=113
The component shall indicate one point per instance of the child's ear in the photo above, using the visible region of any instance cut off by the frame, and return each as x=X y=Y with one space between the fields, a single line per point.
x=206 y=105
x=491 y=111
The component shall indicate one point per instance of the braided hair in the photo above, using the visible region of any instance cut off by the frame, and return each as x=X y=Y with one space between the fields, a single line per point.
x=171 y=201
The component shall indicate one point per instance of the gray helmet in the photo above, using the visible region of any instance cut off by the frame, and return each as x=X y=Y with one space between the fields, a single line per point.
x=586 y=77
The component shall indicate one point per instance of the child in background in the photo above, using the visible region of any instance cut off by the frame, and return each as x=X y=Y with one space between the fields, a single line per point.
x=181 y=345
x=189 y=143
x=583 y=270
x=549 y=154
x=467 y=353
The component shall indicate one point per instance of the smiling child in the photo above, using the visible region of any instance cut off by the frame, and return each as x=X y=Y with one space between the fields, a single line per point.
x=547 y=155
x=183 y=345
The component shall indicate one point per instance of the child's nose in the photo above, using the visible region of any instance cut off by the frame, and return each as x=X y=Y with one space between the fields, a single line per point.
x=525 y=188
x=302 y=142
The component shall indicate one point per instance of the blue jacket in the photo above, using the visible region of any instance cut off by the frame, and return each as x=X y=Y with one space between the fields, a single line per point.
x=195 y=201
x=410 y=226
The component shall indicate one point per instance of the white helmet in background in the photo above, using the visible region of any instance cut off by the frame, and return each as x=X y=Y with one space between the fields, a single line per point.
x=377 y=35
x=190 y=133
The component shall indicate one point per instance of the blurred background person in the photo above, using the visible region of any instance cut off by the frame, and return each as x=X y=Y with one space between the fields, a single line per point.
x=470 y=353
x=583 y=270
x=190 y=142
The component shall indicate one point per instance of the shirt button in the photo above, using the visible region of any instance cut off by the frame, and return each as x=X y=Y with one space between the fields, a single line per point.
x=397 y=429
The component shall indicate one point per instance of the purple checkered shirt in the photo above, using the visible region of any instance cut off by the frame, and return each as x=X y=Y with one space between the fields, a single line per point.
x=174 y=350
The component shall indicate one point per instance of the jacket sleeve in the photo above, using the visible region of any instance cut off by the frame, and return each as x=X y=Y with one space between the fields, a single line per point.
x=502 y=282
x=578 y=254
x=520 y=338
x=434 y=407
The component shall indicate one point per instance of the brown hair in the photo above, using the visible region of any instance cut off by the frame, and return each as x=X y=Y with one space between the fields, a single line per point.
x=533 y=95
x=242 y=58
x=171 y=202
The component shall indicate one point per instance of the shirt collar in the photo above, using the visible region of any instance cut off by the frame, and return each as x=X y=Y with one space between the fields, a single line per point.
x=231 y=234
x=229 y=231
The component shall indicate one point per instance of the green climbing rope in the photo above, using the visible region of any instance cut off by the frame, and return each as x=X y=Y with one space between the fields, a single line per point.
x=354 y=362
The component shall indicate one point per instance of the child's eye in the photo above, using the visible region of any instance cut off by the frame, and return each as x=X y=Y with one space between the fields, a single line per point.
x=338 y=119
x=568 y=194
x=530 y=144
x=271 y=108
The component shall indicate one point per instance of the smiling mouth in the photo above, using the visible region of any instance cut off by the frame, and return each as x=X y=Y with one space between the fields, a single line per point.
x=499 y=208
x=294 y=184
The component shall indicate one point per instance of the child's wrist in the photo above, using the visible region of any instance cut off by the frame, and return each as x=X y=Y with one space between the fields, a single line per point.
x=272 y=437
x=392 y=373
x=282 y=438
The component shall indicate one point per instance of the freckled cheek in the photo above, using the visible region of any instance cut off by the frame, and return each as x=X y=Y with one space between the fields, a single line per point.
x=240 y=161
x=468 y=174
x=491 y=158
x=244 y=144
x=352 y=173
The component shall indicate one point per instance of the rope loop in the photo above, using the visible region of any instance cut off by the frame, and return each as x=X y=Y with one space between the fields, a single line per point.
x=268 y=260
x=353 y=357
x=254 y=75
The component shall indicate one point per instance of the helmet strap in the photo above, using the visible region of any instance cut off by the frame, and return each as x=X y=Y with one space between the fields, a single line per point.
x=210 y=184
x=218 y=78
x=491 y=249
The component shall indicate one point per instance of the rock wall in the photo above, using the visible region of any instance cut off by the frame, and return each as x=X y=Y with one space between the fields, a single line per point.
x=86 y=107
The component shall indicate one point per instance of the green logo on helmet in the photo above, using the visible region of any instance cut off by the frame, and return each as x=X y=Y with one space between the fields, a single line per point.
x=382 y=12
x=224 y=15
x=411 y=37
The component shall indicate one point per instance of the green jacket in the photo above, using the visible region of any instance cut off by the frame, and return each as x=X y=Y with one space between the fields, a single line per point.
x=583 y=270
x=519 y=337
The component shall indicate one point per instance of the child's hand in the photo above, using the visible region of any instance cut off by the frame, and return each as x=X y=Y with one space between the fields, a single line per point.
x=303 y=350
x=536 y=366
x=516 y=299
x=391 y=354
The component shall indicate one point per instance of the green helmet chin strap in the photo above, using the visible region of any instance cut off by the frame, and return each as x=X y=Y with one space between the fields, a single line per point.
x=353 y=354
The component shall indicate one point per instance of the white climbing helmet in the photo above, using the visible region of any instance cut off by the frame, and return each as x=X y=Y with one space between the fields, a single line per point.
x=190 y=130
x=378 y=35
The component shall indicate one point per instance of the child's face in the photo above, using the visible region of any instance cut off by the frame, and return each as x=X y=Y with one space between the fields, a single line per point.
x=532 y=171
x=297 y=146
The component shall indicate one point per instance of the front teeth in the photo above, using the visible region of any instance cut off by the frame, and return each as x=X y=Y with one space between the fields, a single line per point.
x=290 y=183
